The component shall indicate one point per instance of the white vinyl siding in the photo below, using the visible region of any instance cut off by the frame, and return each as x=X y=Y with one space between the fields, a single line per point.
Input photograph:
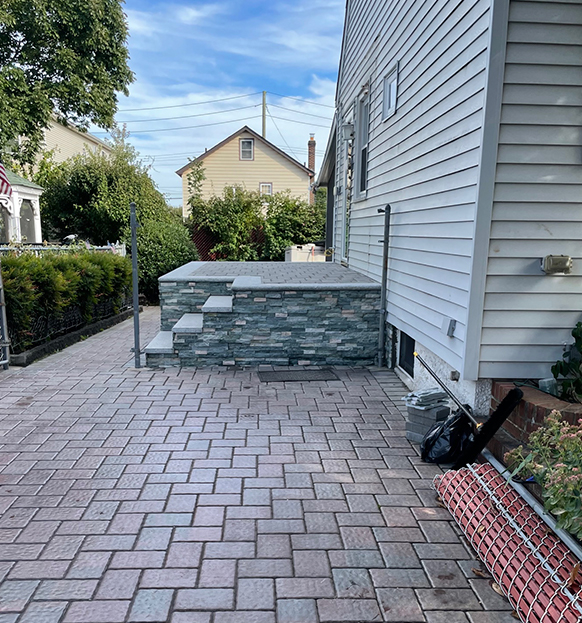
x=422 y=161
x=538 y=194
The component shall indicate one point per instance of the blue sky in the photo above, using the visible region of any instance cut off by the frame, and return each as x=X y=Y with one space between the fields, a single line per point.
x=195 y=53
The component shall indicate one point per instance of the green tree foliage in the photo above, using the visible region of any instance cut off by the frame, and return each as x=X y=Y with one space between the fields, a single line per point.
x=62 y=57
x=249 y=226
x=568 y=370
x=233 y=219
x=289 y=222
x=47 y=286
x=89 y=195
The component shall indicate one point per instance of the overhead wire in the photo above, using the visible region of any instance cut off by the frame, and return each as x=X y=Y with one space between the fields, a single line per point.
x=192 y=127
x=300 y=99
x=300 y=112
x=222 y=99
x=280 y=133
x=201 y=114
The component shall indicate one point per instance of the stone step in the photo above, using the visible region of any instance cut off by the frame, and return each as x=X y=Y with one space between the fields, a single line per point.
x=189 y=323
x=161 y=344
x=218 y=304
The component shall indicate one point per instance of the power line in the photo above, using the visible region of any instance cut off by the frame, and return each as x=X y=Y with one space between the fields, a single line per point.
x=280 y=133
x=191 y=127
x=223 y=99
x=300 y=112
x=202 y=114
x=300 y=99
x=313 y=125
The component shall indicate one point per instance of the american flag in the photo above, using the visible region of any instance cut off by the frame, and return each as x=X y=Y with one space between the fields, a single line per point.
x=5 y=188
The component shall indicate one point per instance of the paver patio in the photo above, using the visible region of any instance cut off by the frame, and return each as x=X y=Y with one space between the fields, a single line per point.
x=206 y=496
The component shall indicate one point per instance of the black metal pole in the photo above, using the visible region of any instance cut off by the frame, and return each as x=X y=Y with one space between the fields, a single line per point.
x=133 y=224
x=383 y=293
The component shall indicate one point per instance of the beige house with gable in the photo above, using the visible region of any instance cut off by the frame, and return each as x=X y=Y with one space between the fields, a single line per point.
x=247 y=159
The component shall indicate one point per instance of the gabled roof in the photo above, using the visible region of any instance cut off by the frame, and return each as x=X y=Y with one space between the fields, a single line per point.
x=18 y=180
x=256 y=136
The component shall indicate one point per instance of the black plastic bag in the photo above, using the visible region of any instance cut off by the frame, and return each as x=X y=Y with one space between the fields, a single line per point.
x=446 y=441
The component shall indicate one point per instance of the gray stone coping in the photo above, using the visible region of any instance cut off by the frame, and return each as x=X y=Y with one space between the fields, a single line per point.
x=162 y=344
x=189 y=323
x=256 y=283
x=218 y=304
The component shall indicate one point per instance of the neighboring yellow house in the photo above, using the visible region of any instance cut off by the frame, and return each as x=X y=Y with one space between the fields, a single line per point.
x=247 y=159
x=67 y=141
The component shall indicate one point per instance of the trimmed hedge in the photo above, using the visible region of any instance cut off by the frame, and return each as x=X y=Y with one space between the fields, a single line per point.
x=46 y=287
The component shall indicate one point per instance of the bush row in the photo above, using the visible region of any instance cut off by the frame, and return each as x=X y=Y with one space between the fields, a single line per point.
x=47 y=286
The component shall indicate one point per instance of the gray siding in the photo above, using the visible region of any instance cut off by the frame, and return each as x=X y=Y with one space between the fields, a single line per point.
x=424 y=160
x=538 y=194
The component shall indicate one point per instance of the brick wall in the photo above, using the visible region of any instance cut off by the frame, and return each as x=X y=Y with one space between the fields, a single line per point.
x=532 y=410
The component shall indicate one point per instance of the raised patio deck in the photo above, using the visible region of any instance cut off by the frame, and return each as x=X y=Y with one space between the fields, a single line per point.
x=269 y=312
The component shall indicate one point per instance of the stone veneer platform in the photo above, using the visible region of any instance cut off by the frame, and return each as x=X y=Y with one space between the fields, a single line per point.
x=253 y=313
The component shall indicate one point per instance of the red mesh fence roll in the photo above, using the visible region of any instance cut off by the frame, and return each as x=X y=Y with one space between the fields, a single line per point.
x=536 y=571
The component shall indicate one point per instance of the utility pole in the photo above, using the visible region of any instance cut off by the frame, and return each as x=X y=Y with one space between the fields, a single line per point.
x=264 y=114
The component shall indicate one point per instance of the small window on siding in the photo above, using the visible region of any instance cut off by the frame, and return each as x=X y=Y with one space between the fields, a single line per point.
x=390 y=93
x=406 y=354
x=266 y=189
x=362 y=137
x=247 y=149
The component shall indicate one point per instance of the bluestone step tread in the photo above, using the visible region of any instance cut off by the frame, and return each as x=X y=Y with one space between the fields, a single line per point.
x=189 y=323
x=218 y=304
x=161 y=344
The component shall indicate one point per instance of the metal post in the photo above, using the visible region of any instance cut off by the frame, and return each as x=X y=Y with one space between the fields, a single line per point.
x=264 y=114
x=385 y=248
x=134 y=225
x=4 y=341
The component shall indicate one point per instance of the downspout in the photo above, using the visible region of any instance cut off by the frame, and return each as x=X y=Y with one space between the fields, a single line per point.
x=383 y=293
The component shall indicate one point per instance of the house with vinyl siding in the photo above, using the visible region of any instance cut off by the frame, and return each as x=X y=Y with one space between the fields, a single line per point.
x=466 y=119
x=66 y=141
x=249 y=160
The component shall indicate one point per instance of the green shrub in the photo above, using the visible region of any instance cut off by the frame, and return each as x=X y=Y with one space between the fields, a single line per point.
x=289 y=222
x=45 y=287
x=161 y=247
x=570 y=369
x=248 y=226
x=233 y=220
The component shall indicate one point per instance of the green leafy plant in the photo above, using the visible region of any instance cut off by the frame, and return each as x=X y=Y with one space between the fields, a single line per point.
x=568 y=370
x=248 y=226
x=46 y=287
x=233 y=219
x=65 y=59
x=89 y=195
x=554 y=460
x=161 y=247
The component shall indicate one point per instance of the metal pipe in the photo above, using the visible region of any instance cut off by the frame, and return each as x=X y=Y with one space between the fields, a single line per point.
x=564 y=536
x=383 y=293
x=134 y=225
x=447 y=390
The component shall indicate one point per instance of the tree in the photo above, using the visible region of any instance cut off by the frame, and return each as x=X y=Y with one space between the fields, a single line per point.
x=89 y=195
x=66 y=58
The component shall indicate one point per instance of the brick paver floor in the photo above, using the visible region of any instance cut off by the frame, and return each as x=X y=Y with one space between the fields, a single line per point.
x=206 y=496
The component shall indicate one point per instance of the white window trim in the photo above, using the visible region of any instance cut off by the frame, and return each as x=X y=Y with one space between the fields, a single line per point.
x=390 y=78
x=270 y=185
x=240 y=148
x=358 y=194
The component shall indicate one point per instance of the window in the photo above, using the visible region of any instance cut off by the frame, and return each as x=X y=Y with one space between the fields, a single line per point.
x=362 y=135
x=266 y=189
x=406 y=354
x=390 y=93
x=247 y=149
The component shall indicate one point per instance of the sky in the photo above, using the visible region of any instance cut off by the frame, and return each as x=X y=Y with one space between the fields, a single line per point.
x=187 y=56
